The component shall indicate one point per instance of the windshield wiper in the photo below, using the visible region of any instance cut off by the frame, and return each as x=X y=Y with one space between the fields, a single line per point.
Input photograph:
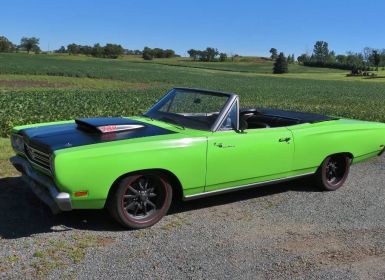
x=168 y=120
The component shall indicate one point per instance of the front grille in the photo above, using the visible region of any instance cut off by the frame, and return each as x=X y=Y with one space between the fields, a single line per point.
x=37 y=157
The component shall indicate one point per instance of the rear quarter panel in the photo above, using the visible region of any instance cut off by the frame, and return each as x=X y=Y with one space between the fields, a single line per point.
x=314 y=142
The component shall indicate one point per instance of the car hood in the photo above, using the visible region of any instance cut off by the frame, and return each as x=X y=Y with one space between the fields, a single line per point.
x=49 y=138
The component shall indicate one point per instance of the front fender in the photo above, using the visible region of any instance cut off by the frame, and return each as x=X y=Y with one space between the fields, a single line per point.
x=95 y=168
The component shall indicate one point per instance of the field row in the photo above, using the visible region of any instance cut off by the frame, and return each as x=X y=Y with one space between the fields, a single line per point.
x=354 y=100
x=123 y=88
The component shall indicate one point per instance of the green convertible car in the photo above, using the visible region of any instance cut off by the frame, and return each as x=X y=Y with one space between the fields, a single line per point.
x=192 y=143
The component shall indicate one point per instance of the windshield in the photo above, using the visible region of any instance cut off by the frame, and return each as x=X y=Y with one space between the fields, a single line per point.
x=189 y=108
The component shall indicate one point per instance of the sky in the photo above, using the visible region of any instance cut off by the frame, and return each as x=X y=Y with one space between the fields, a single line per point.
x=243 y=27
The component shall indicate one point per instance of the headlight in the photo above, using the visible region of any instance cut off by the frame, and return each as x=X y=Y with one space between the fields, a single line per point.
x=17 y=143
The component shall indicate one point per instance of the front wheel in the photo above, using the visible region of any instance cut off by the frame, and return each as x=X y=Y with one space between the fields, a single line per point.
x=140 y=200
x=333 y=172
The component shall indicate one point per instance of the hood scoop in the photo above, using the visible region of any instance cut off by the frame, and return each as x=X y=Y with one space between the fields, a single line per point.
x=107 y=125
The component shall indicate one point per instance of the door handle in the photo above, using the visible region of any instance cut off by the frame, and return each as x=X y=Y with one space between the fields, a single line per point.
x=221 y=145
x=285 y=139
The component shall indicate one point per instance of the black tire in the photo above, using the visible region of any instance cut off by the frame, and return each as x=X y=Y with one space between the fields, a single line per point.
x=140 y=200
x=333 y=172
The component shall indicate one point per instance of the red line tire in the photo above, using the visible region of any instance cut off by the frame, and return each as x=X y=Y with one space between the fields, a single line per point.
x=333 y=172
x=140 y=200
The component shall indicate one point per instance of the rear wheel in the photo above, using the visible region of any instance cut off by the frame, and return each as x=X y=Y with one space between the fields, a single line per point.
x=333 y=172
x=140 y=200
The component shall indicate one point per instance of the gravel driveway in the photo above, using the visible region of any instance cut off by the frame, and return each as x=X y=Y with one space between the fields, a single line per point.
x=277 y=232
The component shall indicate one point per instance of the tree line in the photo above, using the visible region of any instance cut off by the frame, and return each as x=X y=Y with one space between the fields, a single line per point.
x=97 y=50
x=26 y=44
x=149 y=54
x=322 y=57
x=31 y=44
x=209 y=54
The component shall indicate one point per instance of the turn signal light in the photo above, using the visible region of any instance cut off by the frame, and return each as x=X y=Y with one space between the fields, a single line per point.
x=82 y=193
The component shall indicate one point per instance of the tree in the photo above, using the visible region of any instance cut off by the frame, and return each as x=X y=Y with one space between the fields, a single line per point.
x=331 y=58
x=280 y=65
x=73 y=48
x=97 y=50
x=367 y=52
x=6 y=45
x=290 y=59
x=341 y=59
x=157 y=53
x=169 y=53
x=86 y=50
x=147 y=53
x=321 y=51
x=222 y=57
x=376 y=58
x=202 y=55
x=193 y=54
x=382 y=56
x=30 y=44
x=211 y=53
x=303 y=58
x=62 y=49
x=112 y=51
x=274 y=53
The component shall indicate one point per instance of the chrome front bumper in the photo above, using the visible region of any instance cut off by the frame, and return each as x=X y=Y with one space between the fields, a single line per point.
x=43 y=186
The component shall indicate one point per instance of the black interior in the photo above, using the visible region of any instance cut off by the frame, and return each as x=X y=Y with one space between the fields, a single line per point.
x=266 y=118
x=266 y=121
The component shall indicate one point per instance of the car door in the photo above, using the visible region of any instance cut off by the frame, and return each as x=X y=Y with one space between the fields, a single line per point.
x=255 y=155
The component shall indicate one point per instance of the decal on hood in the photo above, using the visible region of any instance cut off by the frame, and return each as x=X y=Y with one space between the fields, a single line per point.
x=107 y=125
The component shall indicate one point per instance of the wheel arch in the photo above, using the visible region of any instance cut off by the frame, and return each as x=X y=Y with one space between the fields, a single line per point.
x=348 y=154
x=172 y=178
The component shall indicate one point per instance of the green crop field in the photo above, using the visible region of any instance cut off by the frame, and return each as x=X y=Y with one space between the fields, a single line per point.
x=37 y=88
x=246 y=65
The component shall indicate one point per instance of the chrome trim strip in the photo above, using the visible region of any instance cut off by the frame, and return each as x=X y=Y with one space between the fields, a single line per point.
x=36 y=151
x=244 y=187
x=37 y=158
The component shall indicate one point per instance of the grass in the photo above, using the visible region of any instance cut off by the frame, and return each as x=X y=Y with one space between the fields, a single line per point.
x=61 y=253
x=248 y=65
x=6 y=168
